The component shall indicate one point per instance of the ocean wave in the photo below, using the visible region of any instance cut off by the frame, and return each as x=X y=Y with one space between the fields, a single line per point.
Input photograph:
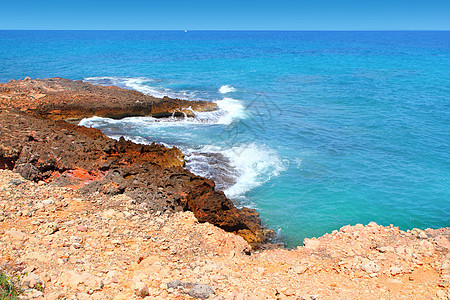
x=225 y=89
x=256 y=165
x=229 y=110
x=236 y=170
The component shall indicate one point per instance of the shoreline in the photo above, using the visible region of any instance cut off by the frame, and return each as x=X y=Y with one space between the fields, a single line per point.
x=59 y=99
x=153 y=174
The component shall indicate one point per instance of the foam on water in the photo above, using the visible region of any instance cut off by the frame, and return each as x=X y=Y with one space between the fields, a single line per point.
x=234 y=109
x=225 y=89
x=247 y=166
x=256 y=165
x=229 y=111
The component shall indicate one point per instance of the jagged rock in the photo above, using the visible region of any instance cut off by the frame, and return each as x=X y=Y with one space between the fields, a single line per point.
x=32 y=280
x=176 y=284
x=84 y=158
x=395 y=271
x=196 y=290
x=73 y=279
x=17 y=235
x=140 y=289
x=370 y=267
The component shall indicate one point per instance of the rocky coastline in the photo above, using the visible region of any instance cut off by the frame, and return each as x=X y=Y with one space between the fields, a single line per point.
x=84 y=216
x=38 y=143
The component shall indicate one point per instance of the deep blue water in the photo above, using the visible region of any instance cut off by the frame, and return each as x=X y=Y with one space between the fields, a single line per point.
x=316 y=130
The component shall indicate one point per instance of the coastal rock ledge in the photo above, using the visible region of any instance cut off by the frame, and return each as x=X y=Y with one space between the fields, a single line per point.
x=36 y=142
x=64 y=99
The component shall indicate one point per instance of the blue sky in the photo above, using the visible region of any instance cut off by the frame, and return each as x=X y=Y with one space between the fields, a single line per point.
x=232 y=15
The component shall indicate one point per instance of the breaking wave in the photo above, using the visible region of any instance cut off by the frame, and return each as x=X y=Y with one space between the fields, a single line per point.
x=236 y=170
x=225 y=89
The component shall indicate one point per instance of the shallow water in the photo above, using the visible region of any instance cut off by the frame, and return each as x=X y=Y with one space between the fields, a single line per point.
x=316 y=129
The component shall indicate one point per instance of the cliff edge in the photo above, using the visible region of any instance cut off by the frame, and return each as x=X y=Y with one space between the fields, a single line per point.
x=67 y=245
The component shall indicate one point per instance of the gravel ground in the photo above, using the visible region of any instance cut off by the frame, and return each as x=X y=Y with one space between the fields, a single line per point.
x=64 y=245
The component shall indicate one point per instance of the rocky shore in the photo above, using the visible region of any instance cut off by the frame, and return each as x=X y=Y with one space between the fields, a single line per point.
x=83 y=216
x=39 y=145
x=63 y=99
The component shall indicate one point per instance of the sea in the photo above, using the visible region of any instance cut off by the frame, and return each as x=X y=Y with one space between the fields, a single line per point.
x=315 y=129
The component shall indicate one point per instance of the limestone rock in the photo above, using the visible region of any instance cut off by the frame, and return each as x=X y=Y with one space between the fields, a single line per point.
x=395 y=271
x=49 y=228
x=17 y=235
x=141 y=289
x=32 y=281
x=201 y=291
x=370 y=267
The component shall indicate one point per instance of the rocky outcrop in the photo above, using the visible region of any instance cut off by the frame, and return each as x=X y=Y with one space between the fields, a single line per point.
x=63 y=99
x=83 y=158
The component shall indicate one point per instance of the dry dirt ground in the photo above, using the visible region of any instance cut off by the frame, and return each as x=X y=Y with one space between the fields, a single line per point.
x=64 y=245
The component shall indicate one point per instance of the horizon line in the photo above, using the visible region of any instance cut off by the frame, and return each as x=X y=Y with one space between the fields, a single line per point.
x=293 y=30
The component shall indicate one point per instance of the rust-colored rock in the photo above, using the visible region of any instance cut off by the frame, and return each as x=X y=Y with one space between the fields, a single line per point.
x=37 y=144
x=58 y=98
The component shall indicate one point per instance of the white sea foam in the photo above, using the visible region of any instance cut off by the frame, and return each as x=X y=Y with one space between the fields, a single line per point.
x=232 y=109
x=246 y=166
x=255 y=164
x=229 y=111
x=225 y=89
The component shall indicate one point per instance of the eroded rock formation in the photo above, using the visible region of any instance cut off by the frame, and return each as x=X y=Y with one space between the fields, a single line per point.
x=36 y=143
x=63 y=99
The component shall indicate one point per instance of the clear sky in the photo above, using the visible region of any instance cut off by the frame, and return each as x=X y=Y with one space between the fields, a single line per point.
x=231 y=14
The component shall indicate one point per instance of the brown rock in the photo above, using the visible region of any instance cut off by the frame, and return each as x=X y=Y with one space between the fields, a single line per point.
x=62 y=99
x=84 y=158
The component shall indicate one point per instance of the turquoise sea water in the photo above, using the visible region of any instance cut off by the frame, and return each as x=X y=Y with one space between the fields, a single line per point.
x=316 y=129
